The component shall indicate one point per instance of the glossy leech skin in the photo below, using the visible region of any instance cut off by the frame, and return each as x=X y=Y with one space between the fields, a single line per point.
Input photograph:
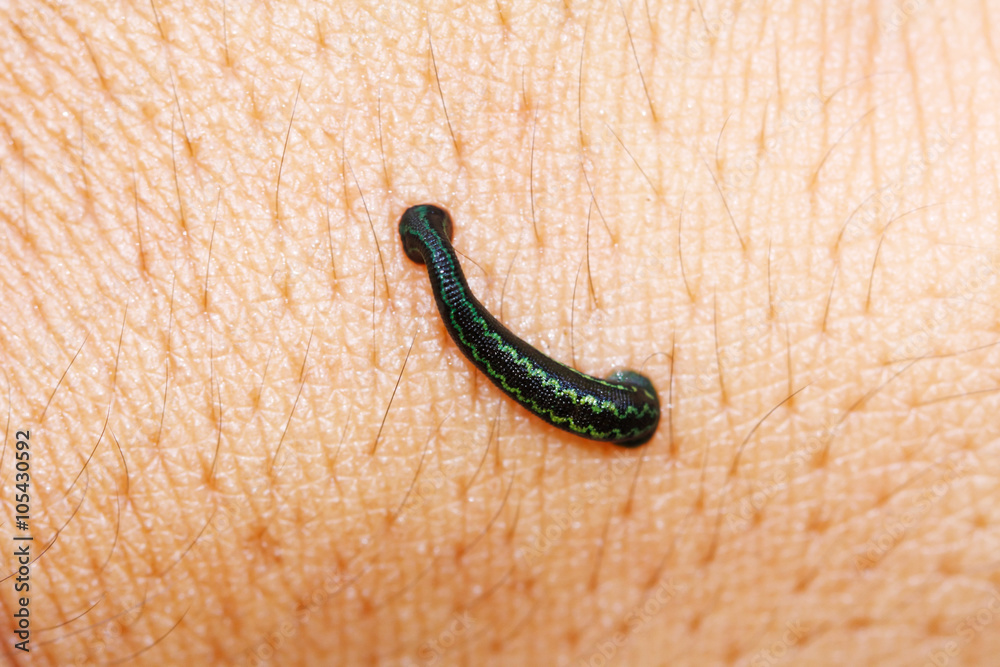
x=622 y=409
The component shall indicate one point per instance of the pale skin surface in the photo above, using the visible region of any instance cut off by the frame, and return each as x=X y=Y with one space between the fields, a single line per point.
x=238 y=458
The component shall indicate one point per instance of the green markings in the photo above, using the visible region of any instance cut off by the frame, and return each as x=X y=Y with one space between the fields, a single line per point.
x=622 y=409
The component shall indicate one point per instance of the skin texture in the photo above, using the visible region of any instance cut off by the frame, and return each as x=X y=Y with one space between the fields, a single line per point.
x=254 y=443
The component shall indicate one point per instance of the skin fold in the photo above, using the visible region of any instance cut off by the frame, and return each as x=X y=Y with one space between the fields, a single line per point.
x=254 y=443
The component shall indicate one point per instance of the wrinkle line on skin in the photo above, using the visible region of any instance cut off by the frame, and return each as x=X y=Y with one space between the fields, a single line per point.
x=642 y=171
x=399 y=379
x=336 y=455
x=733 y=468
x=635 y=54
x=814 y=181
x=111 y=401
x=572 y=316
x=437 y=77
x=593 y=201
x=670 y=398
x=100 y=599
x=41 y=417
x=883 y=499
x=284 y=151
x=829 y=298
x=371 y=226
x=825 y=453
x=155 y=642
x=531 y=177
x=381 y=145
x=725 y=204
x=218 y=440
x=92 y=626
x=177 y=180
x=878 y=249
x=208 y=258
x=680 y=252
x=329 y=235
x=166 y=365
x=416 y=475
x=494 y=431
x=510 y=269
x=143 y=267
x=629 y=501
x=718 y=141
x=298 y=394
x=225 y=35
x=723 y=393
x=595 y=571
x=770 y=294
x=590 y=274
x=464 y=549
x=189 y=547
x=118 y=507
x=579 y=88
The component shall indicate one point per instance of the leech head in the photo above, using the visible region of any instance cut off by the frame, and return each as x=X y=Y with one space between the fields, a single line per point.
x=629 y=377
x=417 y=223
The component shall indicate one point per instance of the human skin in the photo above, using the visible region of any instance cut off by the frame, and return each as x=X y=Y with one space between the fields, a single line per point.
x=253 y=443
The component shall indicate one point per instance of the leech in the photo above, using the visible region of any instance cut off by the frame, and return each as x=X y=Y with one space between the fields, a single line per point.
x=622 y=409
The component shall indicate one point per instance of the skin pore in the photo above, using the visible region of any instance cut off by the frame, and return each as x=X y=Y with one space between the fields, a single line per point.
x=254 y=443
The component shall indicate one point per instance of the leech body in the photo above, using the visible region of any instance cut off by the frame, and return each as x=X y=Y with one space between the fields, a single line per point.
x=623 y=409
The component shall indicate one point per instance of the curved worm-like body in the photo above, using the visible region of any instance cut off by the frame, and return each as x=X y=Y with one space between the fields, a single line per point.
x=623 y=409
